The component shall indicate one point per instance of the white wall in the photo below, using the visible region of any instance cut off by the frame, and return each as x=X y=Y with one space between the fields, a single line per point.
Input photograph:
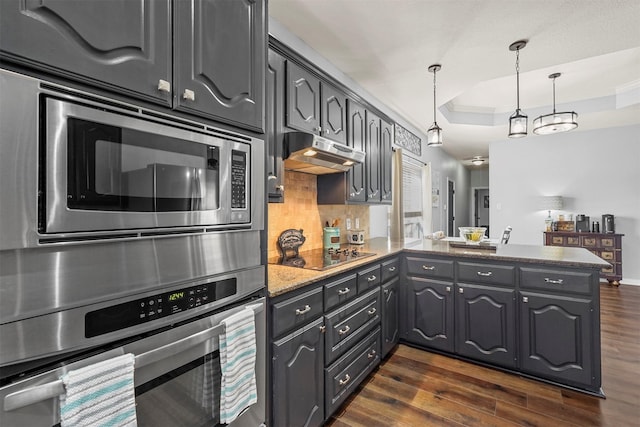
x=596 y=172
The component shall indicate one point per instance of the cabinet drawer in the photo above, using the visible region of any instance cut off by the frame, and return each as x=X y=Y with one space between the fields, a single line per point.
x=429 y=267
x=368 y=278
x=348 y=324
x=486 y=273
x=339 y=291
x=347 y=373
x=390 y=269
x=555 y=280
x=296 y=311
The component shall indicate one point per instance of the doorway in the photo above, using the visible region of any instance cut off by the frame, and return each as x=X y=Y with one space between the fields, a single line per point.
x=481 y=208
x=451 y=208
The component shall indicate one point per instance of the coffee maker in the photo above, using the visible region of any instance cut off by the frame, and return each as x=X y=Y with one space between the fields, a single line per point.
x=582 y=223
x=608 y=225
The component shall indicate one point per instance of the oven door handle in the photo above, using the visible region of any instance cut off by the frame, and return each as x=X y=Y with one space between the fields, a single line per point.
x=35 y=394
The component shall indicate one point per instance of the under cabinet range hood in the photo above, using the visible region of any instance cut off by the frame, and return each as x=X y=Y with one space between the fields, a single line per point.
x=313 y=154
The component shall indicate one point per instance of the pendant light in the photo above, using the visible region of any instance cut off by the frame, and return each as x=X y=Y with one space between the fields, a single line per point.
x=518 y=120
x=434 y=133
x=555 y=122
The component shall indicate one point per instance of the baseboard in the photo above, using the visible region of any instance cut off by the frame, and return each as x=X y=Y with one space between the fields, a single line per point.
x=632 y=282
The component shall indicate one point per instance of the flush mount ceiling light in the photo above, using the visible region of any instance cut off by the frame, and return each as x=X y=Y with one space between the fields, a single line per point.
x=434 y=133
x=555 y=122
x=477 y=161
x=518 y=120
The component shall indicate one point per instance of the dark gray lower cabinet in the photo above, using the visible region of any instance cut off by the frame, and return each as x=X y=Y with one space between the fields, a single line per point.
x=429 y=313
x=557 y=338
x=298 y=377
x=390 y=322
x=486 y=323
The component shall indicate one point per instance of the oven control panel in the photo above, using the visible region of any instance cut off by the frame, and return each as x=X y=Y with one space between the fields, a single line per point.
x=238 y=179
x=132 y=313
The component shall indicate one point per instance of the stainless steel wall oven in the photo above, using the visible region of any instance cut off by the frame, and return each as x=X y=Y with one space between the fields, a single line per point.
x=122 y=230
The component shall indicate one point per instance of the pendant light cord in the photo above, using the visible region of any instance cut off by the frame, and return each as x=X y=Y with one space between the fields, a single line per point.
x=434 y=96
x=554 y=95
x=518 y=79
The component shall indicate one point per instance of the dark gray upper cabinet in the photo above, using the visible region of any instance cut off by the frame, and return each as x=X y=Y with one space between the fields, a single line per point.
x=220 y=53
x=356 y=134
x=121 y=44
x=276 y=81
x=386 y=156
x=334 y=113
x=372 y=161
x=303 y=99
x=485 y=323
x=209 y=60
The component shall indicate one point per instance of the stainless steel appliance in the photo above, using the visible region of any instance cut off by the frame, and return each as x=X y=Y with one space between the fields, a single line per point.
x=313 y=154
x=83 y=166
x=582 y=223
x=110 y=214
x=608 y=225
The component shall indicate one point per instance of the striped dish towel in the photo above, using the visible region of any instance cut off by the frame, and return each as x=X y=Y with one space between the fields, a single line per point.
x=101 y=394
x=237 y=363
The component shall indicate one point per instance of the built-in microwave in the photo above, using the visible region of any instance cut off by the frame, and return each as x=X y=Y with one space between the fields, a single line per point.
x=103 y=167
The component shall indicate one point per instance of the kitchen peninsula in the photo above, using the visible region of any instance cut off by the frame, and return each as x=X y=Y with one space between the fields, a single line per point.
x=529 y=310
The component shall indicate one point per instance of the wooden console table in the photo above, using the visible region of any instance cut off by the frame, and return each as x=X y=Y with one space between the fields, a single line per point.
x=606 y=246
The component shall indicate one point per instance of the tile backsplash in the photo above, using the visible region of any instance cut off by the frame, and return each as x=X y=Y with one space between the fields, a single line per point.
x=301 y=211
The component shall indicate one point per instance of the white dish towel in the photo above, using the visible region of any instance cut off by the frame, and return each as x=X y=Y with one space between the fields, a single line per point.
x=101 y=394
x=237 y=363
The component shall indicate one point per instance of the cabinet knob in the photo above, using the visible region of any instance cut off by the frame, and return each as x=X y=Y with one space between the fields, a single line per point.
x=392 y=269
x=317 y=129
x=448 y=288
x=461 y=290
x=525 y=299
x=386 y=291
x=189 y=95
x=344 y=330
x=306 y=309
x=327 y=131
x=272 y=177
x=280 y=187
x=323 y=329
x=164 y=86
x=372 y=354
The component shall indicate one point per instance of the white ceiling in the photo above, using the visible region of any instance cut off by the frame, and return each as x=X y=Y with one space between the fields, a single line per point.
x=386 y=46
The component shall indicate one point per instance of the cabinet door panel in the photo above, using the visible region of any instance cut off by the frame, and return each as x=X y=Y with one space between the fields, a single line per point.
x=334 y=114
x=430 y=313
x=274 y=127
x=121 y=43
x=555 y=337
x=356 y=134
x=372 y=161
x=298 y=378
x=303 y=99
x=390 y=321
x=220 y=53
x=386 y=156
x=485 y=324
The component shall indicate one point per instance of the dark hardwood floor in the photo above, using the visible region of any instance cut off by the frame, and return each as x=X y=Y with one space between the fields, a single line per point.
x=417 y=388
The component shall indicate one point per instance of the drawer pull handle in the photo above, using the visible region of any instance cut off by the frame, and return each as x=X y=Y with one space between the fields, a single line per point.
x=555 y=282
x=346 y=379
x=487 y=274
x=372 y=311
x=525 y=299
x=344 y=291
x=306 y=309
x=371 y=278
x=392 y=269
x=372 y=354
x=448 y=288
x=429 y=267
x=344 y=330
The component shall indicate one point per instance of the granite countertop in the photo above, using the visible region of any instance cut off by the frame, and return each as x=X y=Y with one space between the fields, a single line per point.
x=283 y=279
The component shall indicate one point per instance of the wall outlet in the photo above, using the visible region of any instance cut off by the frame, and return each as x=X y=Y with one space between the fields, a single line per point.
x=357 y=223
x=348 y=223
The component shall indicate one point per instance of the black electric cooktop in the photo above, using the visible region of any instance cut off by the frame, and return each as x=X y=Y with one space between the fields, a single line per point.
x=322 y=259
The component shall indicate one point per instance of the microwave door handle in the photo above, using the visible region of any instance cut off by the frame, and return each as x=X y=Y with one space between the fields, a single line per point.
x=31 y=395
x=195 y=190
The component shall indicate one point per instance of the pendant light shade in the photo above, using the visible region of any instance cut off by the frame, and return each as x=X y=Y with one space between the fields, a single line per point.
x=434 y=133
x=518 y=120
x=555 y=122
